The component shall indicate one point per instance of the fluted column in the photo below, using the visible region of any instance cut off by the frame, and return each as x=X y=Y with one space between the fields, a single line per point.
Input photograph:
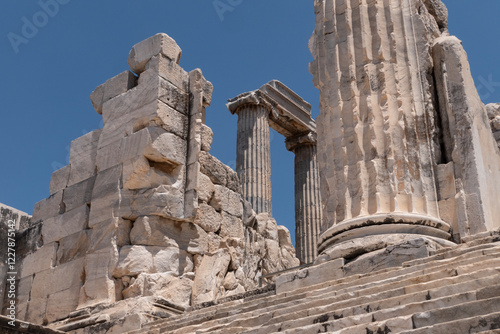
x=253 y=154
x=377 y=132
x=307 y=196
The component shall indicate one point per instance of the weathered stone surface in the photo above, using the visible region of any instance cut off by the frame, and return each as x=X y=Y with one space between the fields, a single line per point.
x=157 y=231
x=209 y=276
x=207 y=218
x=49 y=207
x=63 y=277
x=206 y=138
x=206 y=188
x=110 y=233
x=73 y=246
x=143 y=51
x=82 y=157
x=78 y=194
x=41 y=260
x=169 y=70
x=112 y=88
x=227 y=200
x=176 y=290
x=213 y=168
x=165 y=201
x=284 y=237
x=61 y=304
x=133 y=261
x=231 y=226
x=56 y=228
x=59 y=179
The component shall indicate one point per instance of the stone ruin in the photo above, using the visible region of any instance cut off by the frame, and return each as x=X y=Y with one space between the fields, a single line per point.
x=396 y=191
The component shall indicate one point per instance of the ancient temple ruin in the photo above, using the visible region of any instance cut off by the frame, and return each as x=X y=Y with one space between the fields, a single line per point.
x=396 y=196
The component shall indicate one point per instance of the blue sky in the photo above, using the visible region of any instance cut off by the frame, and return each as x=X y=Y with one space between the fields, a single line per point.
x=47 y=82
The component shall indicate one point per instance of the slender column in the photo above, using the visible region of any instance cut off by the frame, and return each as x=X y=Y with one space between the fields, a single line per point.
x=253 y=161
x=307 y=197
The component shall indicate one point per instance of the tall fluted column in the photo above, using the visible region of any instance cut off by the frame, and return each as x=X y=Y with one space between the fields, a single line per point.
x=253 y=160
x=307 y=197
x=377 y=138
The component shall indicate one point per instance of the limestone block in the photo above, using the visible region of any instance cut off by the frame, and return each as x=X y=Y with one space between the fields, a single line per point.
x=237 y=252
x=392 y=256
x=59 y=179
x=227 y=200
x=112 y=88
x=41 y=260
x=249 y=214
x=206 y=138
x=36 y=310
x=100 y=263
x=230 y=282
x=284 y=237
x=166 y=147
x=213 y=242
x=213 y=168
x=448 y=213
x=141 y=173
x=78 y=194
x=109 y=156
x=82 y=157
x=300 y=278
x=61 y=304
x=66 y=276
x=176 y=290
x=238 y=290
x=207 y=218
x=169 y=70
x=266 y=226
x=158 y=231
x=49 y=207
x=24 y=289
x=171 y=259
x=233 y=181
x=209 y=276
x=446 y=180
x=153 y=102
x=272 y=259
x=133 y=261
x=97 y=291
x=56 y=228
x=73 y=246
x=143 y=51
x=115 y=231
x=206 y=188
x=165 y=201
x=231 y=227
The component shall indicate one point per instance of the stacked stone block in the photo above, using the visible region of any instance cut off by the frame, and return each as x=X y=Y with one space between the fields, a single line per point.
x=143 y=212
x=493 y=110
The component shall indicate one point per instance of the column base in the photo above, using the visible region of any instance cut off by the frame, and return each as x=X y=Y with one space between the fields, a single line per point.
x=378 y=231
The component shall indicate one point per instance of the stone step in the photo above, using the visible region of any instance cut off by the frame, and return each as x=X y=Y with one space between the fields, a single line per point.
x=485 y=324
x=345 y=306
x=214 y=313
x=384 y=310
x=436 y=321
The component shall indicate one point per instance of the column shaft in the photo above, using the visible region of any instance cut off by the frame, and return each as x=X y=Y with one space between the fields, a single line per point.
x=307 y=202
x=253 y=162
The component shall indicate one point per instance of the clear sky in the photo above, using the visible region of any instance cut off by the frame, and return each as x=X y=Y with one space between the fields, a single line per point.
x=49 y=74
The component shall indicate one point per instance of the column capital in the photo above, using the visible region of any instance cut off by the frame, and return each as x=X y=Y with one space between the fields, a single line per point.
x=309 y=138
x=255 y=97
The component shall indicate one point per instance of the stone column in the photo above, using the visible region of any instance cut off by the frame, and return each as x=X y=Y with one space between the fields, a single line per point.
x=377 y=140
x=253 y=153
x=307 y=196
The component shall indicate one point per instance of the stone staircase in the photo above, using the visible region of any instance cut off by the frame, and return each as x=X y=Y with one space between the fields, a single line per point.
x=457 y=290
